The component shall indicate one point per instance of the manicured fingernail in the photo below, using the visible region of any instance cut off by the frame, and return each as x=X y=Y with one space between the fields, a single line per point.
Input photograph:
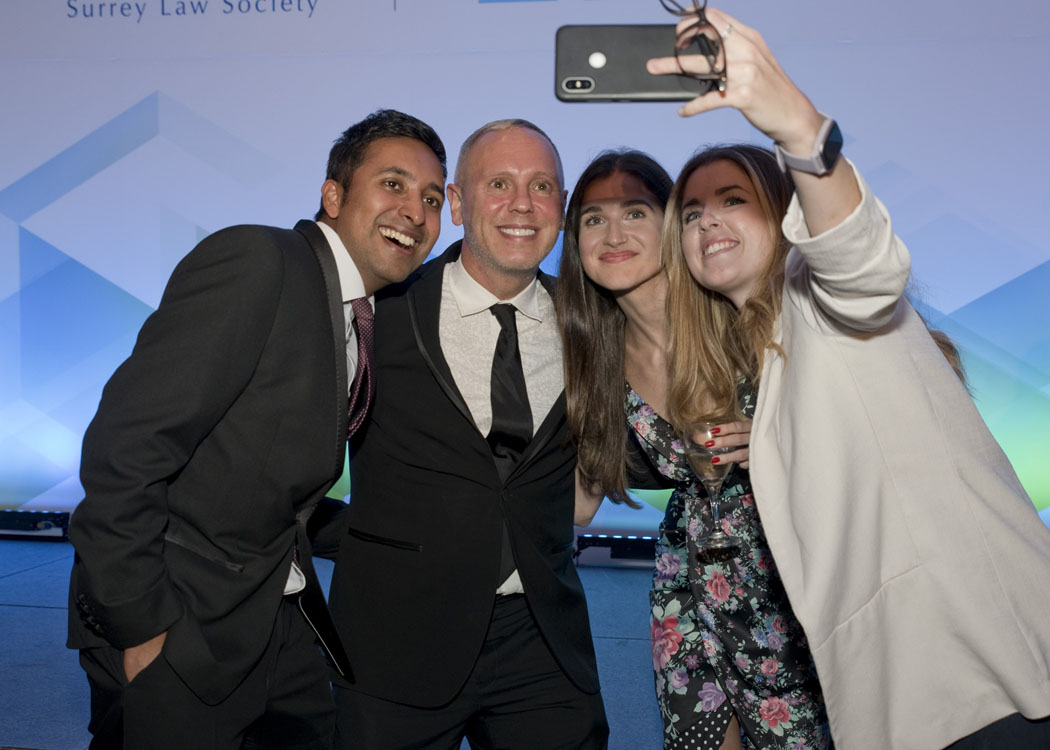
x=715 y=460
x=715 y=430
x=709 y=444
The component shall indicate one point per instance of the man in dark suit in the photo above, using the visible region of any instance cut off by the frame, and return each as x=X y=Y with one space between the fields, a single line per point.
x=192 y=598
x=454 y=590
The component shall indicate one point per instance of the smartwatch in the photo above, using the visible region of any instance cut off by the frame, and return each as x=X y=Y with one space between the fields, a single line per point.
x=825 y=153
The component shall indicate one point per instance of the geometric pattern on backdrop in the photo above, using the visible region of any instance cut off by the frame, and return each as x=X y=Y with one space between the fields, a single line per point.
x=990 y=297
x=72 y=320
x=65 y=327
x=1005 y=335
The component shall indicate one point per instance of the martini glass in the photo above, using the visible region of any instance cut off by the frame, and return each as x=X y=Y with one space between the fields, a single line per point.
x=711 y=476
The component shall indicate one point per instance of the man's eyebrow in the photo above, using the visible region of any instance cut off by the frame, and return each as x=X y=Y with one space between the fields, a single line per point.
x=402 y=172
x=393 y=169
x=519 y=175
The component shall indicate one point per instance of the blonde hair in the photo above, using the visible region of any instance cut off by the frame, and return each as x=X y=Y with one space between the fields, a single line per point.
x=712 y=344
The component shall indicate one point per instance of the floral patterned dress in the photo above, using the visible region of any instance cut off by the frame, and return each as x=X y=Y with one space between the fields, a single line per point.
x=724 y=638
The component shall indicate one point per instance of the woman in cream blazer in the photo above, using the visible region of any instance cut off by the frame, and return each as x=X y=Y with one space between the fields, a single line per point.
x=911 y=554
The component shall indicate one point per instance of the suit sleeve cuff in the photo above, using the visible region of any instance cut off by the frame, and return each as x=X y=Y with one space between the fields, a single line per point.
x=134 y=621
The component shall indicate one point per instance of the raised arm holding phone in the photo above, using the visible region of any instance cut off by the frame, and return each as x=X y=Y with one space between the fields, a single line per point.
x=906 y=545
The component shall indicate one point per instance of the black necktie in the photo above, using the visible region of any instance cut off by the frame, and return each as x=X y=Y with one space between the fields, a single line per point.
x=511 y=415
x=363 y=388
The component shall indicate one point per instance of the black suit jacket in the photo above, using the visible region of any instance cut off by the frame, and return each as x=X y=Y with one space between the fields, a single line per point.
x=414 y=585
x=211 y=445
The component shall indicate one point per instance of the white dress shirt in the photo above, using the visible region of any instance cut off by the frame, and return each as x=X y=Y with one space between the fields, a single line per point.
x=352 y=287
x=468 y=334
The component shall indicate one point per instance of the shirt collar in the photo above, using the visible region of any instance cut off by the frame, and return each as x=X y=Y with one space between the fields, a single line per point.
x=472 y=298
x=351 y=286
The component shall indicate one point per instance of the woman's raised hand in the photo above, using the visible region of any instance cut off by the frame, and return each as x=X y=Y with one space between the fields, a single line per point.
x=756 y=84
x=758 y=87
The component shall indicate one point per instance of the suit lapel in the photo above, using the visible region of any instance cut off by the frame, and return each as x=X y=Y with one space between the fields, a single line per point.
x=549 y=282
x=548 y=429
x=311 y=599
x=333 y=293
x=424 y=307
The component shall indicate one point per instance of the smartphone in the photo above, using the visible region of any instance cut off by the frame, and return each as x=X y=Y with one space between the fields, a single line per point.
x=606 y=63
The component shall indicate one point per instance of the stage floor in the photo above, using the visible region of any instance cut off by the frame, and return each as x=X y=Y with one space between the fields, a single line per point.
x=44 y=696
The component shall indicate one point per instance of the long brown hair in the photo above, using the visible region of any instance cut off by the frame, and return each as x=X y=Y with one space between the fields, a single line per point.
x=711 y=344
x=592 y=326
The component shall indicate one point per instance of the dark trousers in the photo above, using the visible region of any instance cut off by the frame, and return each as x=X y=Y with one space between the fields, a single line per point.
x=285 y=701
x=516 y=697
x=1014 y=732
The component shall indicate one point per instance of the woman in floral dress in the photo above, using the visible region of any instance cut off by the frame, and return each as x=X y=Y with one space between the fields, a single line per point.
x=725 y=642
x=731 y=664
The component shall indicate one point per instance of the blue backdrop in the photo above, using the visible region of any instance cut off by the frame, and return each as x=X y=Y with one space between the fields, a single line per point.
x=132 y=129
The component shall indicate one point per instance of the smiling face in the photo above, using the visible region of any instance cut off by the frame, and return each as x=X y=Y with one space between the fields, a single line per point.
x=619 y=233
x=510 y=205
x=390 y=214
x=726 y=238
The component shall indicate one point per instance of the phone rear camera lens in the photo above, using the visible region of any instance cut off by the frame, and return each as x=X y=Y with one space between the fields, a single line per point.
x=578 y=84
